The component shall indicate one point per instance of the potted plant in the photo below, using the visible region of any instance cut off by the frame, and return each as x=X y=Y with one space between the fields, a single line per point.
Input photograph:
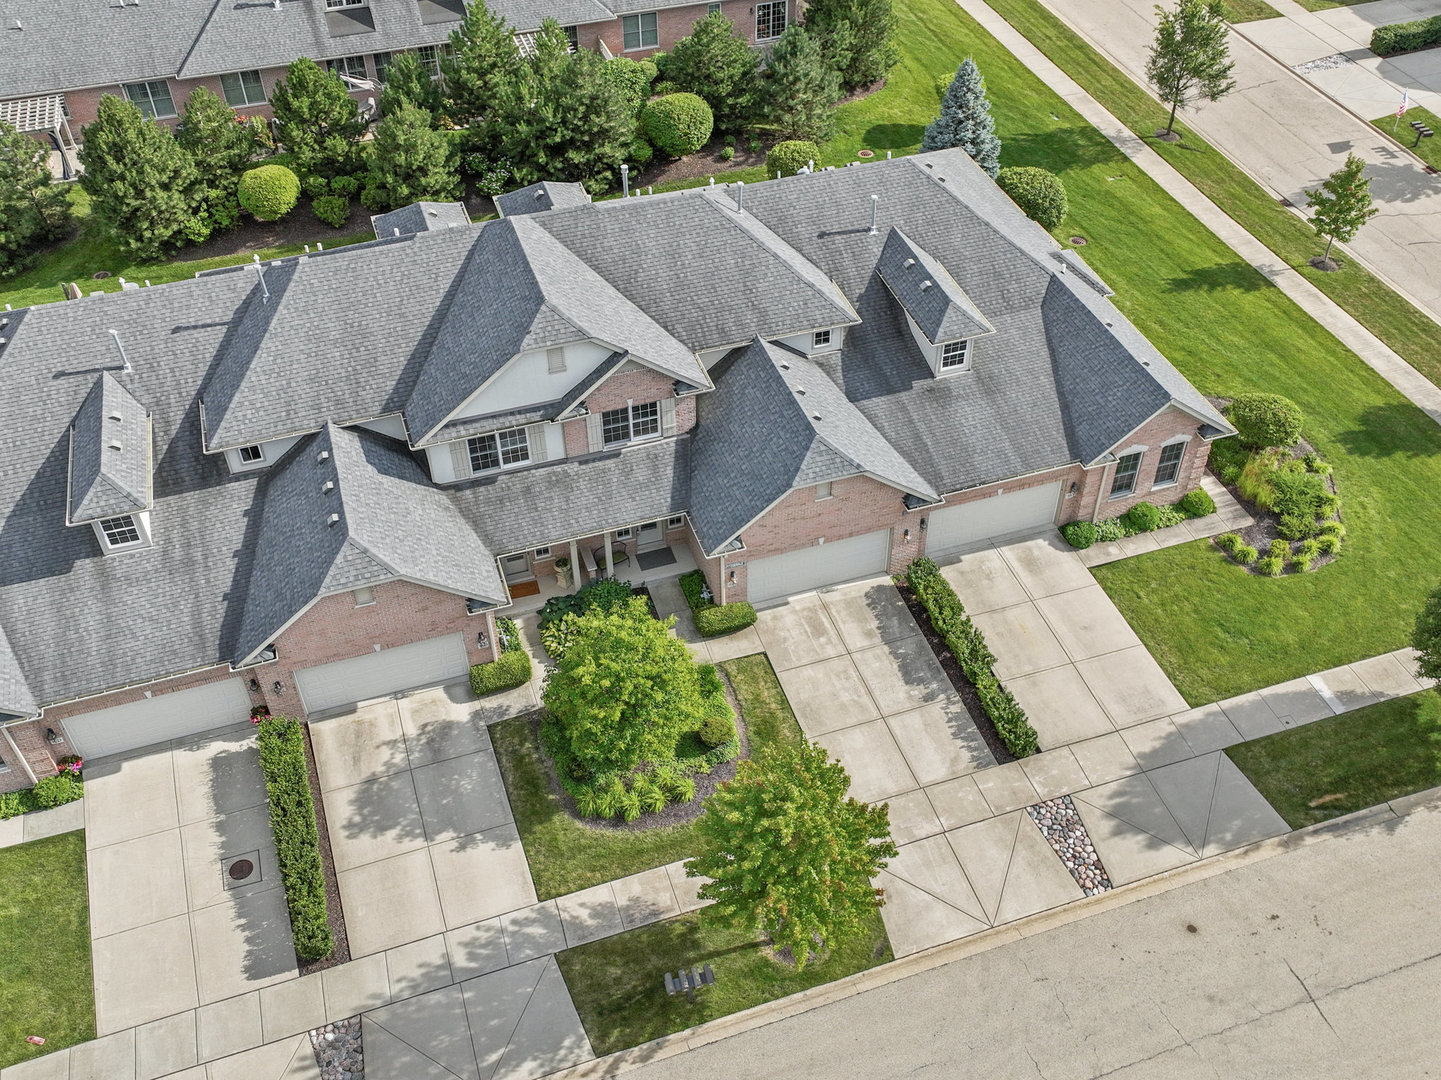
x=562 y=571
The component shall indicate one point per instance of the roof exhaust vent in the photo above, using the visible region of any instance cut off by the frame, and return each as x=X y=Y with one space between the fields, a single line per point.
x=124 y=360
x=875 y=204
x=322 y=457
x=114 y=444
x=275 y=4
x=927 y=284
x=260 y=273
x=328 y=486
x=333 y=520
x=908 y=264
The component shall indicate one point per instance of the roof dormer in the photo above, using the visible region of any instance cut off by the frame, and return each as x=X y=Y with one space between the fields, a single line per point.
x=109 y=481
x=943 y=319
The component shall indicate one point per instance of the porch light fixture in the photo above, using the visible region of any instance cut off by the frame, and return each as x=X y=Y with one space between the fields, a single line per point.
x=732 y=579
x=277 y=688
x=255 y=686
x=482 y=641
x=51 y=736
x=1073 y=488
x=906 y=537
x=923 y=524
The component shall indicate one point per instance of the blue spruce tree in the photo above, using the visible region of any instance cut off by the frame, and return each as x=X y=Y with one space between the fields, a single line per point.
x=966 y=121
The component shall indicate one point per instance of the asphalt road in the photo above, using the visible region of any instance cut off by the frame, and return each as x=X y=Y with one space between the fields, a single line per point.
x=1324 y=961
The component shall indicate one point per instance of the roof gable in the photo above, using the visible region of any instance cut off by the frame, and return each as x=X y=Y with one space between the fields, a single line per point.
x=540 y=197
x=929 y=294
x=419 y=217
x=110 y=455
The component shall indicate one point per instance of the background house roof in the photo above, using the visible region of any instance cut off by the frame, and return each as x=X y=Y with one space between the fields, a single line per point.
x=109 y=454
x=419 y=217
x=538 y=198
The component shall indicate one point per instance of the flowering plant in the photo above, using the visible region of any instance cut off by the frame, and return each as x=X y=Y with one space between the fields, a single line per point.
x=72 y=764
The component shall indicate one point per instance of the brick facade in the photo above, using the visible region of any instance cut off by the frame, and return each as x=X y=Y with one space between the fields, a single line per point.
x=625 y=387
x=1169 y=424
x=674 y=23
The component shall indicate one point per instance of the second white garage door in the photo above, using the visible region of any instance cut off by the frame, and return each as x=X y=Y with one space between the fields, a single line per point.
x=822 y=564
x=956 y=526
x=158 y=719
x=377 y=674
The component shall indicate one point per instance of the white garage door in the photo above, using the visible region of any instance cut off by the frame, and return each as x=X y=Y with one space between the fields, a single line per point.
x=818 y=565
x=1014 y=511
x=424 y=663
x=154 y=720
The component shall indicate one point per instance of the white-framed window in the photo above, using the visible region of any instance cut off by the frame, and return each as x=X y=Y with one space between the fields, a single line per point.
x=249 y=455
x=542 y=552
x=955 y=354
x=4 y=765
x=572 y=35
x=712 y=9
x=770 y=20
x=675 y=522
x=121 y=531
x=380 y=61
x=639 y=31
x=555 y=360
x=819 y=338
x=630 y=422
x=344 y=3
x=1168 y=468
x=497 y=448
x=823 y=491
x=429 y=57
x=363 y=597
x=152 y=97
x=623 y=534
x=242 y=88
x=1127 y=469
x=351 y=66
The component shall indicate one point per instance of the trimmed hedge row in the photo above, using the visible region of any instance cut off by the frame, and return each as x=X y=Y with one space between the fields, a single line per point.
x=714 y=619
x=48 y=793
x=1406 y=36
x=966 y=643
x=297 y=837
x=512 y=669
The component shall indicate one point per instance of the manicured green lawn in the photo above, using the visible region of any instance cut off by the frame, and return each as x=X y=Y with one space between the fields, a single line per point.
x=1427 y=151
x=1326 y=5
x=45 y=982
x=618 y=987
x=1249 y=10
x=566 y=856
x=90 y=250
x=1347 y=762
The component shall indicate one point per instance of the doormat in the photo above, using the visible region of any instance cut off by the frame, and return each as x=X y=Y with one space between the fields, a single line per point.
x=649 y=560
x=524 y=588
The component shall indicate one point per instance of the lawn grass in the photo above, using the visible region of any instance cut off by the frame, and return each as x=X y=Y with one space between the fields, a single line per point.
x=1248 y=10
x=45 y=981
x=566 y=856
x=1349 y=762
x=618 y=990
x=1428 y=151
x=91 y=250
x=1326 y=5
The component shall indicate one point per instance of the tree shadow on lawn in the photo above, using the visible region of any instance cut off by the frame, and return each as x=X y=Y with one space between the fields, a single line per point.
x=1218 y=278
x=1400 y=429
x=1062 y=149
x=892 y=136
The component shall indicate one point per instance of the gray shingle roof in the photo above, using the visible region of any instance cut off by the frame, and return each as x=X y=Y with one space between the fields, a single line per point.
x=15 y=696
x=419 y=217
x=927 y=291
x=109 y=454
x=521 y=289
x=381 y=519
x=540 y=197
x=775 y=423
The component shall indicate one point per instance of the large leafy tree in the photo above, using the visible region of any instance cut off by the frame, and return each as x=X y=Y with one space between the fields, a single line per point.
x=33 y=208
x=716 y=63
x=567 y=121
x=1426 y=637
x=625 y=690
x=409 y=161
x=1190 y=58
x=801 y=88
x=965 y=120
x=406 y=81
x=317 y=120
x=142 y=185
x=482 y=69
x=856 y=36
x=221 y=145
x=1341 y=205
x=789 y=854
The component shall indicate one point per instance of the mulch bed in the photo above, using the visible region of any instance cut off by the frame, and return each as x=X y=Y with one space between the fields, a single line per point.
x=299 y=226
x=958 y=679
x=706 y=161
x=335 y=914
x=1260 y=534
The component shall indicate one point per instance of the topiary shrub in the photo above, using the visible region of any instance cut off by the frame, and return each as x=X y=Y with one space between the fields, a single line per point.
x=1079 y=534
x=1195 y=504
x=1265 y=420
x=1038 y=192
x=791 y=156
x=334 y=210
x=268 y=192
x=678 y=124
x=1143 y=517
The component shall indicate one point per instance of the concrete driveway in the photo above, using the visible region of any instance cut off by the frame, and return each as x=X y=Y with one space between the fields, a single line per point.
x=170 y=929
x=420 y=827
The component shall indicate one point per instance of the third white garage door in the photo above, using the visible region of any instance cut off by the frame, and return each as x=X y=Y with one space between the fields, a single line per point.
x=957 y=526
x=377 y=674
x=818 y=565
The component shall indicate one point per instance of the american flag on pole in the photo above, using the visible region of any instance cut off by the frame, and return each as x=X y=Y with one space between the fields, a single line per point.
x=1405 y=104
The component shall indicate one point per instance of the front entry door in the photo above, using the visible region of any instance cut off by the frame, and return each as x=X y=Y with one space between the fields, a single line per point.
x=516 y=567
x=650 y=536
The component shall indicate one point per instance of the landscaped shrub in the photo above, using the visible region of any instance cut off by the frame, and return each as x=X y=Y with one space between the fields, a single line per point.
x=1280 y=549
x=1328 y=545
x=1038 y=192
x=1300 y=563
x=1246 y=554
x=11 y=805
x=678 y=124
x=1265 y=420
x=1296 y=526
x=1406 y=36
x=1270 y=565
x=269 y=191
x=511 y=669
x=1309 y=549
x=1198 y=503
x=1079 y=534
x=345 y=186
x=334 y=210
x=630 y=77
x=712 y=619
x=1229 y=542
x=49 y=793
x=297 y=838
x=641 y=153
x=1143 y=517
x=1331 y=528
x=949 y=620
x=791 y=156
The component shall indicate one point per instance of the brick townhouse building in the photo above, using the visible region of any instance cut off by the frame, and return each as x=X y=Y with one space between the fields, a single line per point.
x=61 y=56
x=319 y=480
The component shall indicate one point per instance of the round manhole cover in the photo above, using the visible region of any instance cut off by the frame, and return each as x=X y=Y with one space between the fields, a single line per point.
x=1078 y=241
x=241 y=869
x=100 y=275
x=865 y=153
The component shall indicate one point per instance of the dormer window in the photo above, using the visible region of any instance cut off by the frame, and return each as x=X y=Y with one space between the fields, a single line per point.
x=344 y=3
x=120 y=531
x=820 y=338
x=630 y=422
x=955 y=355
x=251 y=455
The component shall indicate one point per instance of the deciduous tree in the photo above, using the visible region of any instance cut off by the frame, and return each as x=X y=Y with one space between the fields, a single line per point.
x=965 y=120
x=1426 y=637
x=317 y=120
x=1341 y=205
x=801 y=88
x=789 y=854
x=33 y=209
x=1190 y=58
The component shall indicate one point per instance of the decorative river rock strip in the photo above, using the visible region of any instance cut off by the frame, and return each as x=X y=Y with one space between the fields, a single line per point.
x=338 y=1050
x=1066 y=833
